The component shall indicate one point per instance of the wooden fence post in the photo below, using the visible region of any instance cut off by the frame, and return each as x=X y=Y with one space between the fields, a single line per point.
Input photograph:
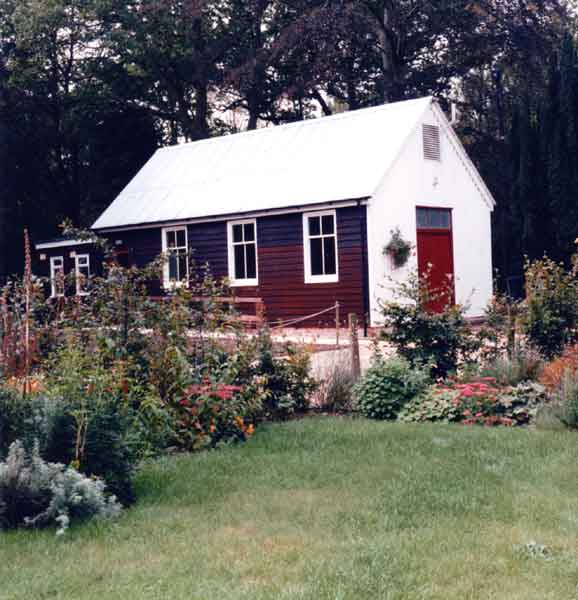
x=337 y=324
x=260 y=313
x=354 y=342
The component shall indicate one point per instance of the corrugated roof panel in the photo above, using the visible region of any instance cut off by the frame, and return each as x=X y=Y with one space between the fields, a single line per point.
x=314 y=161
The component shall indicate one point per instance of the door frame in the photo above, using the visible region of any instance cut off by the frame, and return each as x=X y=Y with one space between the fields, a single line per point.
x=438 y=230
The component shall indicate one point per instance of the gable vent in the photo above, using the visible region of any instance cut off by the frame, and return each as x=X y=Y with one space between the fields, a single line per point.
x=431 y=142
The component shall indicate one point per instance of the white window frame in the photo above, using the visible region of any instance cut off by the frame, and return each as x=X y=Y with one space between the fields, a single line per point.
x=309 y=278
x=231 y=254
x=77 y=259
x=53 y=259
x=167 y=283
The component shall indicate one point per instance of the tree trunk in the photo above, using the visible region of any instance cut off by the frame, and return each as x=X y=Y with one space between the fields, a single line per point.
x=255 y=93
x=385 y=36
x=200 y=125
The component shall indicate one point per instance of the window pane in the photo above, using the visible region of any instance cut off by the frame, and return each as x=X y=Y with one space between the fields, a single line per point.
x=240 y=262
x=82 y=279
x=436 y=218
x=173 y=267
x=182 y=259
x=251 y=262
x=422 y=218
x=328 y=225
x=181 y=238
x=249 y=232
x=329 y=251
x=314 y=226
x=433 y=218
x=171 y=239
x=316 y=256
x=237 y=233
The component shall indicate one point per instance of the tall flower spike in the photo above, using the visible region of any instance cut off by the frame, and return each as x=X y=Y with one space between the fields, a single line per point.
x=27 y=292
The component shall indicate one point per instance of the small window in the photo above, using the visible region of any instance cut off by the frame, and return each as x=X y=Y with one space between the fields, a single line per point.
x=175 y=248
x=57 y=276
x=431 y=142
x=434 y=218
x=82 y=273
x=243 y=252
x=320 y=247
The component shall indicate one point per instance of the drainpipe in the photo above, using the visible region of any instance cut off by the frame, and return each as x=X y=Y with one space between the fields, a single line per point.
x=364 y=265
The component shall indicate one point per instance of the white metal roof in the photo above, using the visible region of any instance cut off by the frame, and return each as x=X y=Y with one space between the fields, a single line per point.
x=315 y=161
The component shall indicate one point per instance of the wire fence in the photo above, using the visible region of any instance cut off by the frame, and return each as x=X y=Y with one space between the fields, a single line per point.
x=290 y=322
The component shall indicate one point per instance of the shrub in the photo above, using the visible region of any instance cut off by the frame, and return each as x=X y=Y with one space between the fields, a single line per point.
x=387 y=386
x=52 y=426
x=36 y=493
x=286 y=381
x=521 y=403
x=210 y=414
x=525 y=364
x=480 y=402
x=105 y=452
x=441 y=340
x=437 y=404
x=554 y=371
x=551 y=306
x=335 y=392
x=500 y=329
x=566 y=398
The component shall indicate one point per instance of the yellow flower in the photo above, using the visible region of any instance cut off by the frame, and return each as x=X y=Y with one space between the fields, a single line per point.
x=250 y=430
x=239 y=421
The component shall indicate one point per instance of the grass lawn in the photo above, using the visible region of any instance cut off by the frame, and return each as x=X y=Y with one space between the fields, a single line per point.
x=328 y=509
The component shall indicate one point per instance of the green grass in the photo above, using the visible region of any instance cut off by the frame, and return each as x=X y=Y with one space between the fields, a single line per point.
x=328 y=509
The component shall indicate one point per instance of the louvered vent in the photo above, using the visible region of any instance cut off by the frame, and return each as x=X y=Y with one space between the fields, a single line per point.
x=431 y=142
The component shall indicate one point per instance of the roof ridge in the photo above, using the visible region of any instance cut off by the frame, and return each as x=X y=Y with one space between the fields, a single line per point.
x=315 y=121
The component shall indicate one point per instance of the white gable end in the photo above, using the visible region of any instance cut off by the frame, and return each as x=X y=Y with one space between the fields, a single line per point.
x=452 y=182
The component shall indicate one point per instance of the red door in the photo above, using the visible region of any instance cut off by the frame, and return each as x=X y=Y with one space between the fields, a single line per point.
x=435 y=257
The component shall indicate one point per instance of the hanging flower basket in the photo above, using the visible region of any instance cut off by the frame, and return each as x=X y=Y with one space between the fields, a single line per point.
x=398 y=249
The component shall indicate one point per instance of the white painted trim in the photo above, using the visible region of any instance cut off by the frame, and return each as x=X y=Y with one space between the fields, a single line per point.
x=307 y=249
x=248 y=215
x=457 y=145
x=77 y=258
x=231 y=255
x=61 y=244
x=53 y=260
x=167 y=284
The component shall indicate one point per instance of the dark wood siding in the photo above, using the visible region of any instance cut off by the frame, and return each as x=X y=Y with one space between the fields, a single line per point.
x=281 y=268
x=139 y=247
x=281 y=263
x=41 y=266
